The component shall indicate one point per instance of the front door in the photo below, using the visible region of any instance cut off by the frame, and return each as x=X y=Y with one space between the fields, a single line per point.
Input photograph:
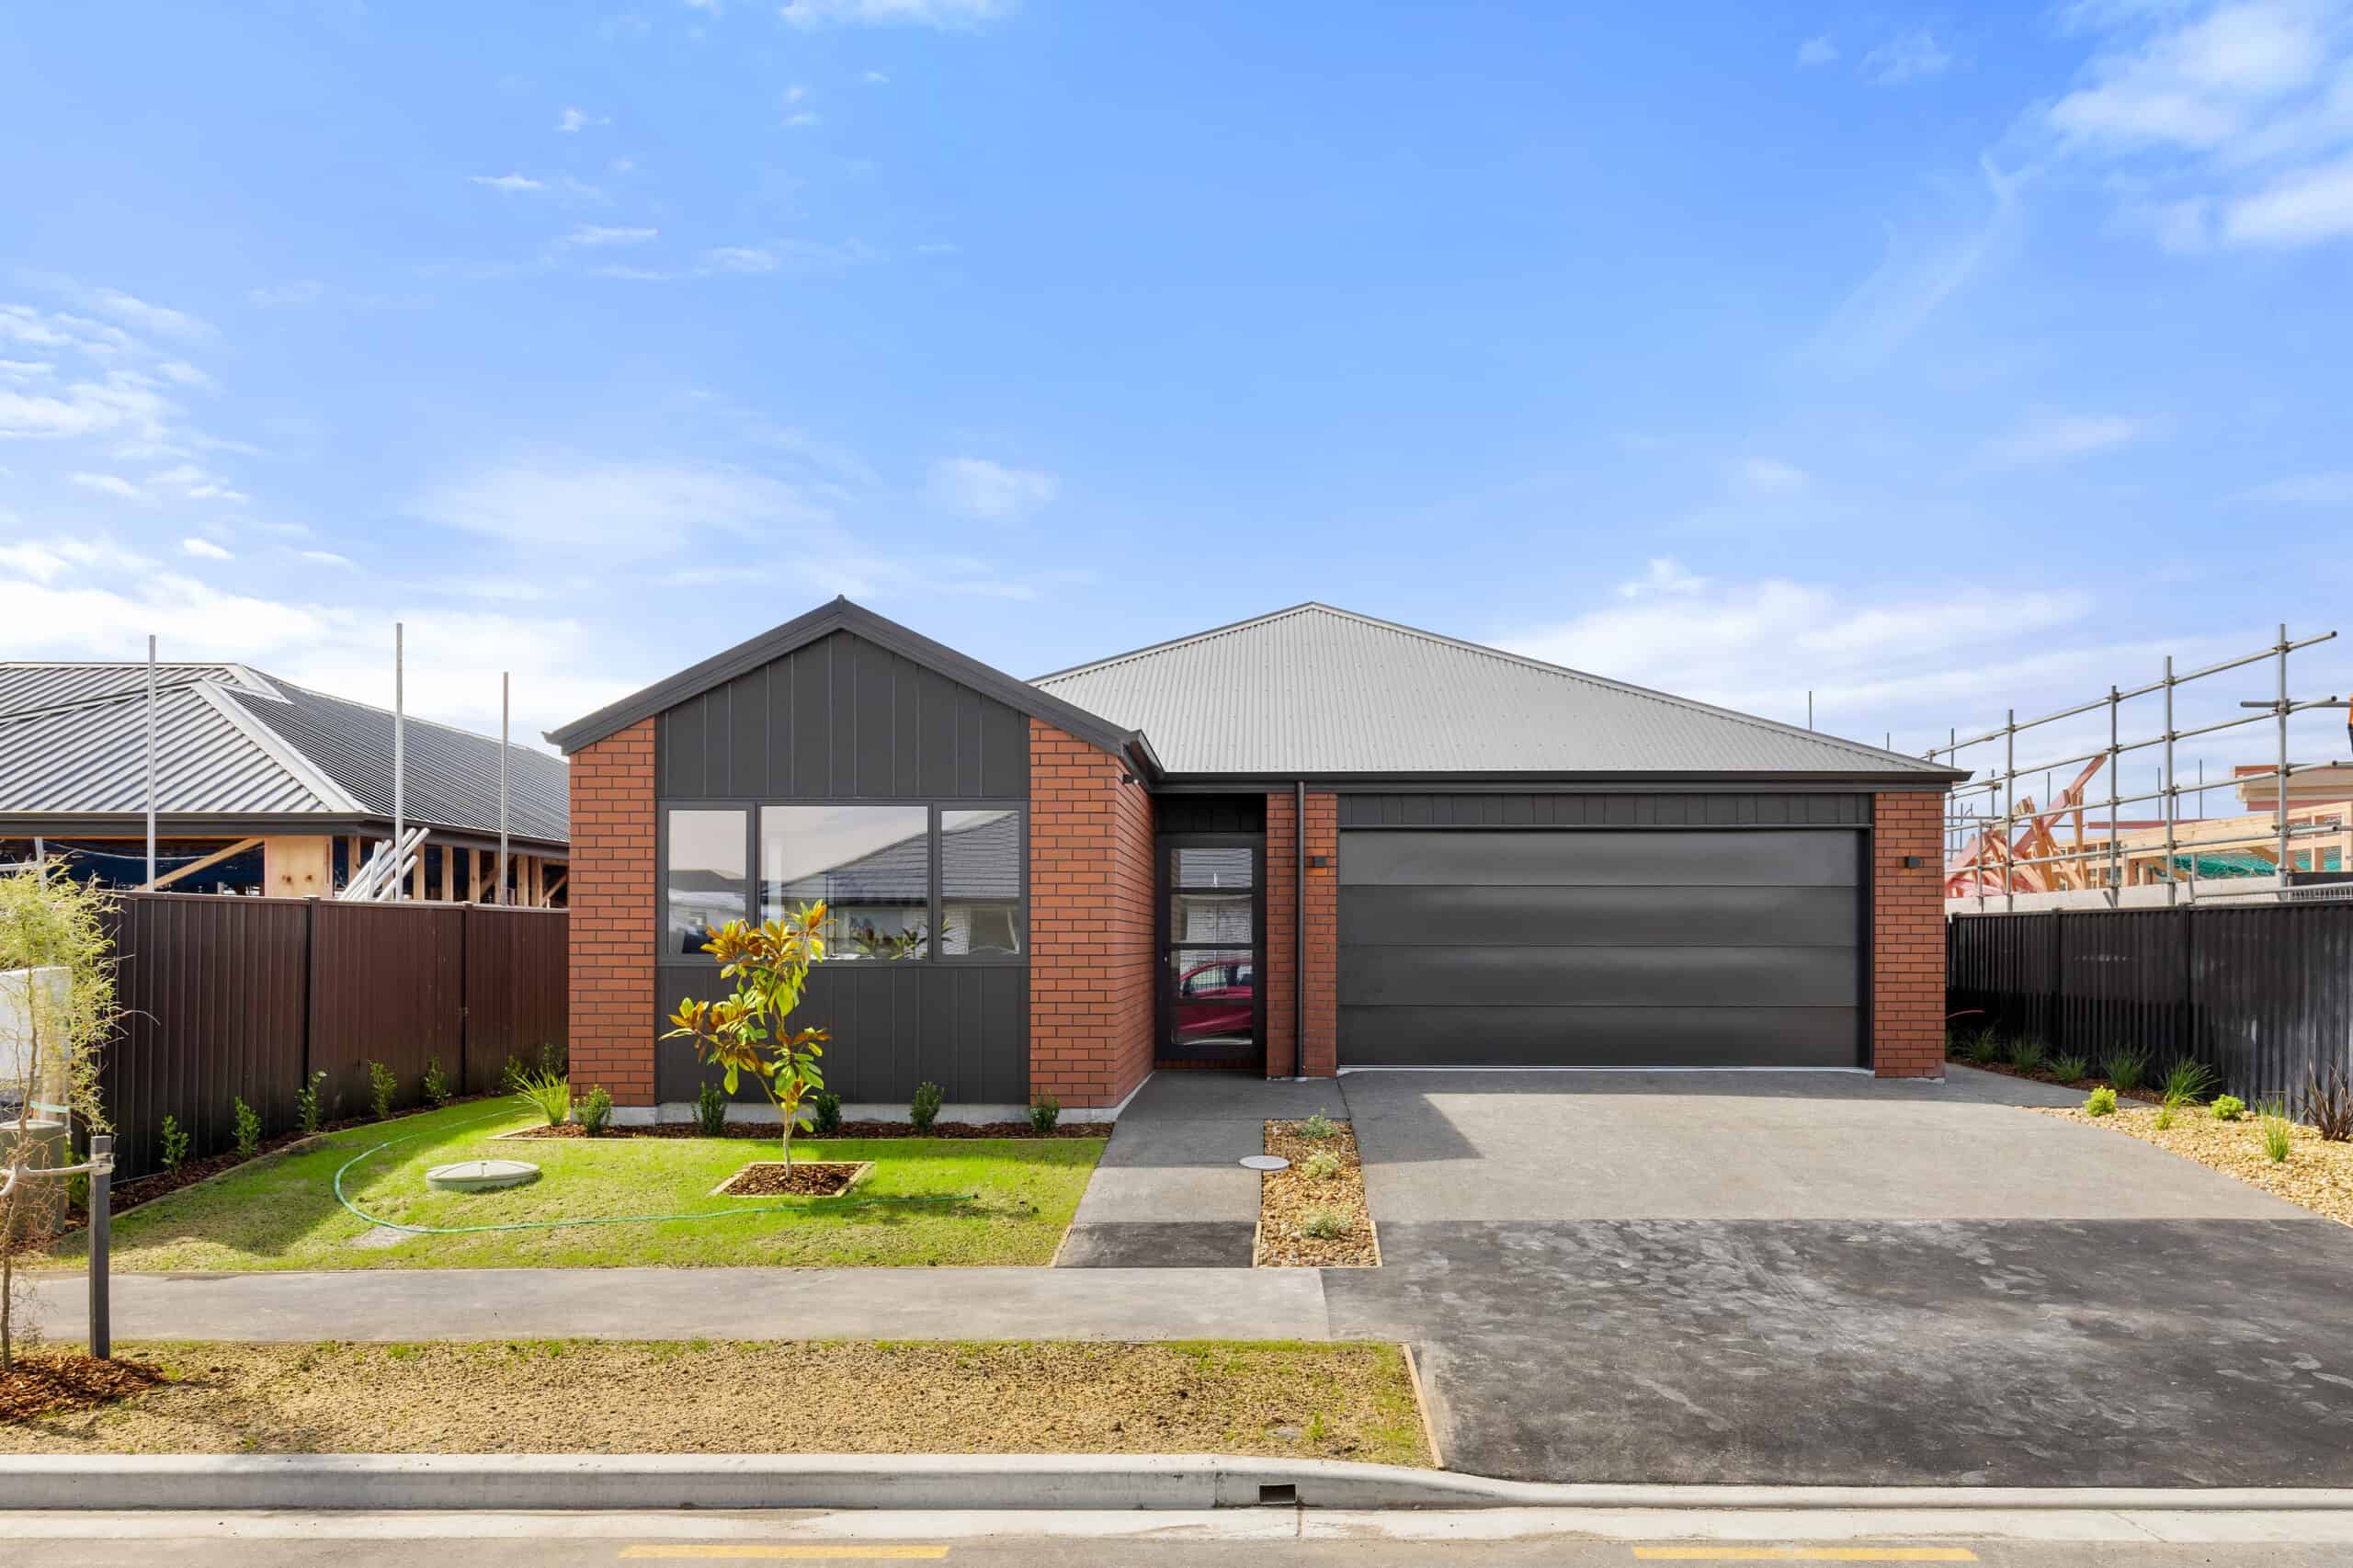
x=1211 y=1011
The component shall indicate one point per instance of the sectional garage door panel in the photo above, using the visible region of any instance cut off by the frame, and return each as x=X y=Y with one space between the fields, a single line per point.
x=1595 y=1036
x=1602 y=857
x=1598 y=948
x=1596 y=916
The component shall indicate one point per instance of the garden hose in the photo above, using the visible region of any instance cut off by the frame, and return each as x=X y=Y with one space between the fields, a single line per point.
x=608 y=1219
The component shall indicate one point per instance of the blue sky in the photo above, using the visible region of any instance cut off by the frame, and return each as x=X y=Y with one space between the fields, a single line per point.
x=1935 y=359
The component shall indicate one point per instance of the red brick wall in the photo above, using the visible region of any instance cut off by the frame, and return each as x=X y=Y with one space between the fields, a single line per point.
x=1907 y=935
x=1278 y=943
x=613 y=914
x=1091 y=927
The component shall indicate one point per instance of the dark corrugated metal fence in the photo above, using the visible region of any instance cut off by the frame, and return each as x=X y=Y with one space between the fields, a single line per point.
x=2260 y=993
x=224 y=997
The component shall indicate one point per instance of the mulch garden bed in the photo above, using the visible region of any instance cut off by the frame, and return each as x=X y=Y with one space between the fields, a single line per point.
x=1287 y=1198
x=802 y=1178
x=55 y=1384
x=848 y=1130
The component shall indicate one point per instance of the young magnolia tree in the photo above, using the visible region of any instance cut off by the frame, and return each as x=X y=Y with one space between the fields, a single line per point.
x=57 y=996
x=744 y=1034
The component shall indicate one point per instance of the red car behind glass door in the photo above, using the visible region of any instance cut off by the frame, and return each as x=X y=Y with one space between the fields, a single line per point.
x=1215 y=1001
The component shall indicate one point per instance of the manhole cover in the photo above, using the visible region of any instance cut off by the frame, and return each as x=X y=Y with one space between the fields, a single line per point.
x=1265 y=1162
x=480 y=1175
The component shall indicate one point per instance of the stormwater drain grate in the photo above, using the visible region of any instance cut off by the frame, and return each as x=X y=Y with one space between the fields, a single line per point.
x=1265 y=1162
x=480 y=1175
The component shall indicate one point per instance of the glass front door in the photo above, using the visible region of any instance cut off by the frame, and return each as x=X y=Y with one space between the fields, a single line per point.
x=1211 y=1003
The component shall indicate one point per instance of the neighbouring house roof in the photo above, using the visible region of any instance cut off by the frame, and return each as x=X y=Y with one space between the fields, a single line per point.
x=1315 y=691
x=232 y=742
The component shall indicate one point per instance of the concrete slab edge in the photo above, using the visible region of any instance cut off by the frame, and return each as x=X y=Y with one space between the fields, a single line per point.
x=993 y=1482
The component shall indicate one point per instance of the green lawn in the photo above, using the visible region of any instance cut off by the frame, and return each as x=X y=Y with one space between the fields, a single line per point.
x=282 y=1212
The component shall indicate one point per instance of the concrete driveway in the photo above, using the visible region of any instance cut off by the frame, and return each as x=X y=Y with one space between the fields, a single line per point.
x=1823 y=1279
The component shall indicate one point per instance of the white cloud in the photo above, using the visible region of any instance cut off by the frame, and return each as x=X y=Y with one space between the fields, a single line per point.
x=196 y=484
x=508 y=183
x=302 y=291
x=874 y=78
x=980 y=488
x=120 y=401
x=1905 y=57
x=1819 y=50
x=2307 y=490
x=2049 y=437
x=800 y=119
x=109 y=485
x=1665 y=576
x=598 y=234
x=740 y=259
x=161 y=319
x=915 y=13
x=573 y=119
x=795 y=92
x=595 y=509
x=2302 y=208
x=324 y=558
x=204 y=549
x=1924 y=265
x=1771 y=475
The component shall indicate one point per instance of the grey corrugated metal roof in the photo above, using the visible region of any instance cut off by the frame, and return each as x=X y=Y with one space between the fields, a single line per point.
x=452 y=774
x=1317 y=690
x=232 y=741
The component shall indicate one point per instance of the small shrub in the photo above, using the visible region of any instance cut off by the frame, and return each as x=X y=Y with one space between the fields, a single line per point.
x=2329 y=1105
x=175 y=1143
x=924 y=1109
x=711 y=1110
x=2128 y=1070
x=596 y=1112
x=249 y=1129
x=1321 y=1165
x=2165 y=1118
x=2188 y=1082
x=1319 y=1126
x=306 y=1102
x=1984 y=1048
x=2027 y=1053
x=2229 y=1107
x=2102 y=1102
x=383 y=1084
x=550 y=1093
x=825 y=1115
x=1324 y=1225
x=2276 y=1130
x=2070 y=1069
x=1044 y=1111
x=436 y=1084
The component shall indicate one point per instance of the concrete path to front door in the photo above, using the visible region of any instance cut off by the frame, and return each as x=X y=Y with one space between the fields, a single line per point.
x=1170 y=1191
x=1821 y=1279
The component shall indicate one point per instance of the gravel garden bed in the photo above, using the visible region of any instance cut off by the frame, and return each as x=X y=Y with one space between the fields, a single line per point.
x=1289 y=1399
x=1308 y=1219
x=2316 y=1175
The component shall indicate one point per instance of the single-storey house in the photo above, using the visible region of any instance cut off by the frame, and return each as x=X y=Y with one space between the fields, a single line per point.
x=1299 y=844
x=261 y=786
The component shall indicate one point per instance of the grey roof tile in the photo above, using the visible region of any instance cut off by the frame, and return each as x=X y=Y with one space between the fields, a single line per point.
x=1317 y=690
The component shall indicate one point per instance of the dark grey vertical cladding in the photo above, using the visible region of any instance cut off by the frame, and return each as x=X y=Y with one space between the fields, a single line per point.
x=1604 y=809
x=965 y=1027
x=2263 y=994
x=842 y=719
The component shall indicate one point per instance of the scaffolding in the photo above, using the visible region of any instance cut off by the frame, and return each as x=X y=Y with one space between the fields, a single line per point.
x=2000 y=845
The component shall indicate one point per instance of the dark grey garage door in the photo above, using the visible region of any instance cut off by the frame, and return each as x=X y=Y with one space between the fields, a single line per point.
x=1652 y=947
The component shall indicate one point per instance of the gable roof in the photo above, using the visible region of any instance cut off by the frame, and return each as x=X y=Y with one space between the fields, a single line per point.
x=842 y=615
x=232 y=742
x=1319 y=691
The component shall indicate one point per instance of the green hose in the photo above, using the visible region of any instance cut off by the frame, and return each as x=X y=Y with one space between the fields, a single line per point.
x=609 y=1220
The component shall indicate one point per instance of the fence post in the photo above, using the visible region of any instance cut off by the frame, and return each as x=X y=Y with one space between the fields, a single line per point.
x=101 y=1234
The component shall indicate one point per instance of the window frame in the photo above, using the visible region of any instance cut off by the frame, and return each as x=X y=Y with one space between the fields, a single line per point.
x=750 y=806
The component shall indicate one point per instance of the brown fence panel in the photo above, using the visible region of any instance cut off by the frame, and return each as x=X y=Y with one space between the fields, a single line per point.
x=212 y=992
x=2261 y=993
x=518 y=1004
x=225 y=997
x=388 y=984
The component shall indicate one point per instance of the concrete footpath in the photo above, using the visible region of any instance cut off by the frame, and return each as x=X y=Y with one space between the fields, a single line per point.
x=387 y=1304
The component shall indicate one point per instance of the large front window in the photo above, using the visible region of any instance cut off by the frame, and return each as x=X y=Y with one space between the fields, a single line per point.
x=979 y=883
x=871 y=865
x=707 y=880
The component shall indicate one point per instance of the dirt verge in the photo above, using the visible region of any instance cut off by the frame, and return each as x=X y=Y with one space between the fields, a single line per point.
x=1341 y=1401
x=54 y=1383
x=1292 y=1202
x=2316 y=1175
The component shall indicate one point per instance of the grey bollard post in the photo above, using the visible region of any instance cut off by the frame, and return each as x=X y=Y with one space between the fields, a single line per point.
x=101 y=1181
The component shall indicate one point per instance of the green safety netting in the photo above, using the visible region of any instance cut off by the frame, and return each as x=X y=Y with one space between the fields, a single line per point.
x=2245 y=863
